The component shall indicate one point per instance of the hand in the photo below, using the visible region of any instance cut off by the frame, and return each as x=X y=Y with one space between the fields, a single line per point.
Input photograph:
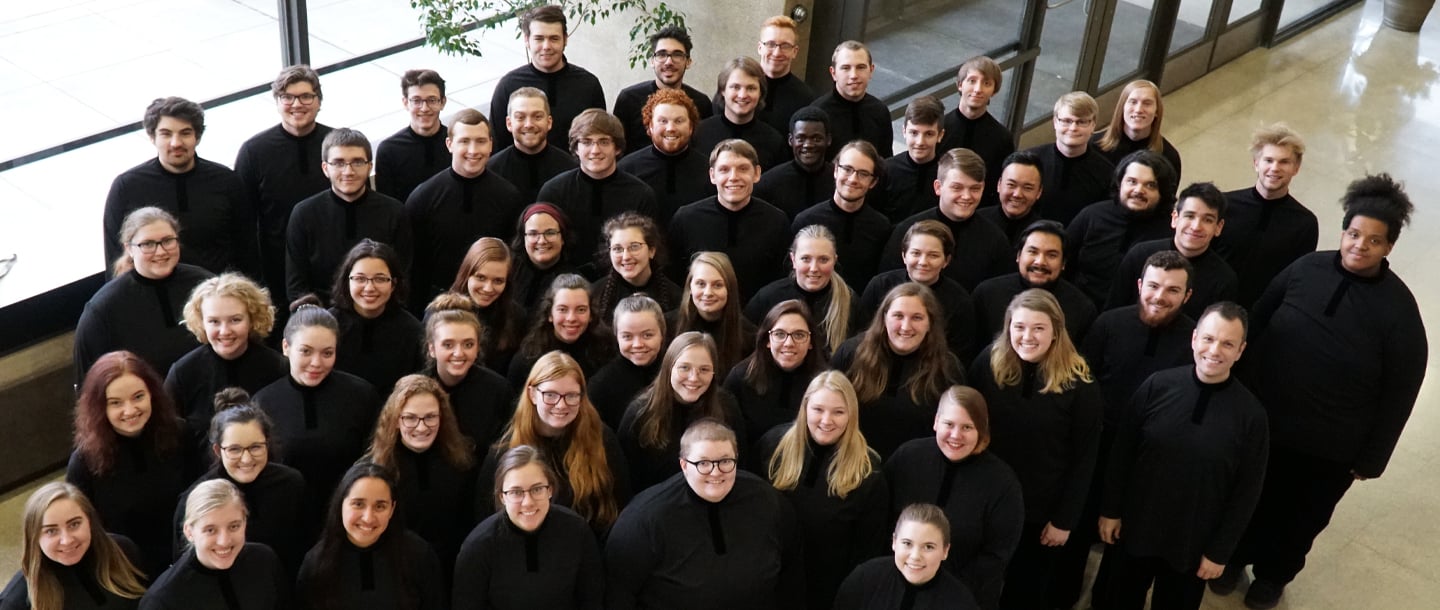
x=1053 y=536
x=1109 y=530
x=1358 y=476
x=1209 y=570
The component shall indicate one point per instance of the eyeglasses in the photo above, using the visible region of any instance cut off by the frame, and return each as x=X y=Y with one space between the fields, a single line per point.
x=410 y=420
x=800 y=337
x=517 y=495
x=592 y=142
x=726 y=465
x=771 y=45
x=848 y=171
x=356 y=165
x=553 y=398
x=432 y=102
x=235 y=451
x=664 y=55
x=634 y=248
x=548 y=234
x=1069 y=122
x=703 y=371
x=378 y=280
x=149 y=246
x=303 y=98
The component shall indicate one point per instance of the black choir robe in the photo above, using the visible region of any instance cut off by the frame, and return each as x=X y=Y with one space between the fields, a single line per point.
x=908 y=188
x=609 y=290
x=448 y=212
x=867 y=119
x=256 y=580
x=557 y=566
x=769 y=144
x=649 y=466
x=590 y=351
x=1100 y=236
x=370 y=578
x=216 y=219
x=1213 y=281
x=786 y=289
x=570 y=91
x=527 y=172
x=894 y=418
x=1011 y=227
x=1070 y=184
x=77 y=584
x=437 y=498
x=562 y=493
x=483 y=404
x=961 y=333
x=758 y=258
x=195 y=378
x=382 y=349
x=860 y=238
x=1262 y=237
x=985 y=136
x=136 y=497
x=324 y=228
x=616 y=384
x=878 y=585
x=278 y=171
x=321 y=430
x=275 y=503
x=776 y=406
x=588 y=202
x=793 y=188
x=981 y=250
x=783 y=96
x=676 y=179
x=405 y=159
x=133 y=312
x=1122 y=352
x=1125 y=146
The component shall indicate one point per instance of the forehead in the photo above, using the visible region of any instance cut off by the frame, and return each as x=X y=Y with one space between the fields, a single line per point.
x=956 y=174
x=370 y=264
x=347 y=152
x=741 y=77
x=813 y=246
x=919 y=532
x=541 y=222
x=828 y=398
x=222 y=304
x=1196 y=205
x=907 y=305
x=852 y=57
x=790 y=321
x=60 y=511
x=424 y=90
x=545 y=29
x=624 y=234
x=668 y=111
x=731 y=159
x=423 y=401
x=1214 y=325
x=1143 y=93
x=369 y=488
x=976 y=74
x=702 y=271
x=952 y=411
x=300 y=87
x=154 y=229
x=563 y=383
x=809 y=127
x=854 y=158
x=172 y=123
x=1368 y=225
x=524 y=476
x=1029 y=316
x=1042 y=240
x=465 y=130
x=669 y=44
x=922 y=126
x=1170 y=277
x=125 y=384
x=1140 y=171
x=527 y=104
x=245 y=432
x=772 y=33
x=637 y=321
x=693 y=355
x=713 y=450
x=571 y=297
x=1021 y=172
x=925 y=241
x=1276 y=151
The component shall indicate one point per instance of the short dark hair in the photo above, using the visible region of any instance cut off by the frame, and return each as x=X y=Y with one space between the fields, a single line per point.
x=368 y=248
x=810 y=114
x=175 y=107
x=549 y=13
x=1170 y=260
x=1164 y=174
x=344 y=136
x=1023 y=157
x=1043 y=226
x=1228 y=310
x=418 y=78
x=471 y=116
x=1206 y=192
x=925 y=110
x=1380 y=197
x=673 y=32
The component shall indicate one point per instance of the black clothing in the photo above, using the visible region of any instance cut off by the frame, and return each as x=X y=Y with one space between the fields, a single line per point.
x=505 y=568
x=1071 y=184
x=1123 y=352
x=673 y=549
x=527 y=172
x=569 y=90
x=275 y=512
x=437 y=499
x=985 y=136
x=630 y=103
x=776 y=406
x=877 y=585
x=894 y=418
x=961 y=333
x=1100 y=236
x=382 y=349
x=256 y=580
x=980 y=496
x=209 y=201
x=530 y=282
x=793 y=188
x=981 y=250
x=707 y=225
x=650 y=466
x=369 y=579
x=783 y=96
x=1212 y=282
x=859 y=238
x=590 y=351
x=1262 y=237
x=700 y=324
x=447 y=213
x=562 y=493
x=676 y=179
x=136 y=497
x=867 y=119
x=483 y=404
x=503 y=320
x=1011 y=227
x=609 y=290
x=908 y=188
x=1298 y=498
x=769 y=144
x=785 y=289
x=992 y=298
x=588 y=202
x=77 y=584
x=136 y=313
x=195 y=378
x=324 y=228
x=321 y=429
x=1125 y=146
x=617 y=383
x=278 y=171
x=406 y=159
x=1132 y=578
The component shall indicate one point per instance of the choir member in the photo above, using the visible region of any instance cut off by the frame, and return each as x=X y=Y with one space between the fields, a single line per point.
x=1135 y=125
x=597 y=190
x=541 y=235
x=973 y=127
x=1143 y=193
x=813 y=256
x=67 y=559
x=671 y=164
x=798 y=183
x=564 y=322
x=219 y=568
x=927 y=248
x=531 y=161
x=1075 y=172
x=484 y=276
x=416 y=152
x=636 y=256
x=982 y=250
x=639 y=326
x=1199 y=218
x=380 y=340
x=854 y=212
x=480 y=397
x=920 y=544
x=770 y=383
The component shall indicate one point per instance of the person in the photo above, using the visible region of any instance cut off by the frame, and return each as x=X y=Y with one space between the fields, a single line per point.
x=805 y=179
x=242 y=442
x=570 y=88
x=418 y=151
x=852 y=214
x=1040 y=259
x=714 y=307
x=1143 y=190
x=419 y=440
x=324 y=226
x=530 y=161
x=785 y=93
x=454 y=352
x=927 y=249
x=674 y=169
x=322 y=416
x=707 y=537
x=596 y=191
x=1135 y=125
x=636 y=256
x=982 y=250
x=534 y=554
x=365 y=557
x=126 y=457
x=813 y=257
x=137 y=309
x=1346 y=328
x=568 y=325
x=977 y=491
x=670 y=58
x=220 y=568
x=973 y=127
x=207 y=197
x=771 y=382
x=714 y=224
x=682 y=393
x=484 y=276
x=900 y=365
x=910 y=174
x=1045 y=414
x=68 y=560
x=854 y=113
x=821 y=463
x=379 y=340
x=920 y=543
x=1019 y=189
x=539 y=251
x=1267 y=227
x=1076 y=174
x=1198 y=218
x=740 y=89
x=450 y=209
x=1185 y=473
x=280 y=166
x=639 y=325
x=555 y=416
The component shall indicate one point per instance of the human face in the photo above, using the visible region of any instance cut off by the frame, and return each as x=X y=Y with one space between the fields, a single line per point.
x=921 y=140
x=1218 y=344
x=670 y=128
x=669 y=68
x=1020 y=188
x=925 y=258
x=529 y=123
x=708 y=291
x=160 y=262
x=455 y=348
x=175 y=140
x=570 y=314
x=555 y=418
x=975 y=93
x=424 y=103
x=297 y=117
x=854 y=177
x=127 y=405
x=808 y=143
x=814 y=262
x=597 y=154
x=826 y=416
x=366 y=511
x=1162 y=293
x=1139 y=113
x=1195 y=225
x=919 y=551
x=790 y=353
x=1364 y=245
x=906 y=325
x=777 y=49
x=64 y=532
x=227 y=326
x=543 y=251
x=529 y=513
x=247 y=466
x=638 y=334
x=311 y=352
x=470 y=147
x=634 y=266
x=692 y=373
x=422 y=409
x=1072 y=132
x=741 y=96
x=1032 y=333
x=959 y=194
x=734 y=178
x=1041 y=258
x=852 y=71
x=546 y=44
x=487 y=283
x=350 y=180
x=1139 y=188
x=218 y=536
x=371 y=285
x=712 y=487
x=1275 y=167
x=955 y=431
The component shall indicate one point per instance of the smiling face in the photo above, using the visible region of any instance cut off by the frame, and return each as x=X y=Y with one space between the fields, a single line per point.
x=1275 y=167
x=959 y=194
x=1364 y=245
x=826 y=416
x=227 y=326
x=160 y=262
x=790 y=353
x=955 y=431
x=470 y=147
x=1139 y=188
x=1140 y=109
x=297 y=117
x=814 y=263
x=350 y=180
x=919 y=551
x=1195 y=225
x=218 y=536
x=424 y=103
x=630 y=255
x=543 y=251
x=712 y=487
x=455 y=347
x=175 y=140
x=808 y=142
x=1162 y=292
x=975 y=94
x=371 y=285
x=921 y=140
x=1072 y=132
x=638 y=334
x=708 y=291
x=529 y=513
x=554 y=419
x=906 y=324
x=777 y=49
x=570 y=314
x=127 y=405
x=670 y=128
x=366 y=510
x=692 y=374
x=529 y=122
x=1218 y=344
x=311 y=351
x=64 y=532
x=245 y=468
x=925 y=258
x=487 y=283
x=851 y=71
x=741 y=96
x=1032 y=334
x=734 y=177
x=1041 y=258
x=423 y=407
x=669 y=61
x=854 y=177
x=546 y=45
x=1019 y=189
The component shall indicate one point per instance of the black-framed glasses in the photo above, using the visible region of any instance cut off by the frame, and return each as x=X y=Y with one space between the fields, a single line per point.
x=234 y=452
x=432 y=102
x=356 y=165
x=675 y=55
x=849 y=170
x=800 y=337
x=634 y=248
x=771 y=45
x=303 y=98
x=726 y=465
x=517 y=495
x=411 y=420
x=548 y=234
x=148 y=246
x=554 y=398
x=378 y=280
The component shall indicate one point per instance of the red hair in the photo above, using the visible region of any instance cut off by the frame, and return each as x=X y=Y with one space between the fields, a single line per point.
x=95 y=438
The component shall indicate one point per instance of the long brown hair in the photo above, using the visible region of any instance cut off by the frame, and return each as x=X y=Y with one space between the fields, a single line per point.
x=541 y=336
x=658 y=401
x=760 y=365
x=95 y=438
x=730 y=339
x=854 y=461
x=1063 y=365
x=870 y=371
x=455 y=447
x=1110 y=138
x=505 y=328
x=112 y=570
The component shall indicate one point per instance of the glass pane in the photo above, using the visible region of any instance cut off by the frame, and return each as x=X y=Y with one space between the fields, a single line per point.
x=903 y=35
x=341 y=30
x=1295 y=10
x=1127 y=42
x=1190 y=23
x=1241 y=9
x=1060 y=41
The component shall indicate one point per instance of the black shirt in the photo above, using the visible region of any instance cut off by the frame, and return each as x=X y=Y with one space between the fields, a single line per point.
x=78 y=585
x=563 y=493
x=611 y=289
x=985 y=136
x=405 y=159
x=135 y=498
x=630 y=104
x=758 y=258
x=447 y=213
x=590 y=351
x=1262 y=237
x=133 y=312
x=321 y=430
x=1125 y=146
x=776 y=406
x=1011 y=227
x=676 y=179
x=895 y=417
x=783 y=96
x=382 y=349
x=275 y=512
x=588 y=202
x=878 y=585
x=437 y=499
x=483 y=404
x=793 y=188
x=616 y=384
x=860 y=237
x=961 y=332
x=256 y=580
x=1070 y=184
x=1213 y=281
x=216 y=220
x=1101 y=235
x=785 y=289
x=867 y=119
x=769 y=144
x=195 y=378
x=323 y=228
x=529 y=282
x=992 y=298
x=569 y=91
x=1122 y=352
x=981 y=250
x=909 y=187
x=556 y=566
x=278 y=171
x=370 y=578
x=527 y=172
x=651 y=465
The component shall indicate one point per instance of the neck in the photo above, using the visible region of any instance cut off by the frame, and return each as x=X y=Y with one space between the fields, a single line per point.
x=461 y=173
x=708 y=316
x=447 y=378
x=368 y=314
x=609 y=172
x=846 y=97
x=1212 y=379
x=1137 y=134
x=530 y=150
x=641 y=279
x=775 y=75
x=973 y=113
x=847 y=204
x=351 y=198
x=425 y=131
x=733 y=207
x=1271 y=195
x=1189 y=252
x=1071 y=152
x=662 y=86
x=739 y=119
x=238 y=352
x=558 y=67
x=174 y=169
x=298 y=132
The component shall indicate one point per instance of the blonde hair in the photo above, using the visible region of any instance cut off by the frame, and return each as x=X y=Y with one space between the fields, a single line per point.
x=1062 y=367
x=110 y=568
x=1079 y=103
x=836 y=319
x=1277 y=134
x=134 y=221
x=854 y=460
x=255 y=298
x=210 y=495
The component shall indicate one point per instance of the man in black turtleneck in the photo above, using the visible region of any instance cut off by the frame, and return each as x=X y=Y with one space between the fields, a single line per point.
x=741 y=89
x=855 y=114
x=1020 y=188
x=1198 y=218
x=1143 y=195
x=798 y=183
x=981 y=250
x=972 y=126
x=1075 y=175
x=457 y=206
x=1041 y=259
x=784 y=92
x=910 y=175
x=669 y=58
x=531 y=161
x=570 y=88
x=673 y=169
x=860 y=230
x=417 y=152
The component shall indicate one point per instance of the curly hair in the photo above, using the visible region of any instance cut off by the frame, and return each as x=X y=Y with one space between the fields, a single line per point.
x=254 y=297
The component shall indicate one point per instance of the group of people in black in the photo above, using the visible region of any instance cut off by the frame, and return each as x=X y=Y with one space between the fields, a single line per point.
x=726 y=369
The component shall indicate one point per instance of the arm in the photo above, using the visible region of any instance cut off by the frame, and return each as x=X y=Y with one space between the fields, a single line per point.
x=1269 y=302
x=110 y=222
x=1244 y=494
x=246 y=256
x=297 y=247
x=1405 y=355
x=1122 y=288
x=1122 y=456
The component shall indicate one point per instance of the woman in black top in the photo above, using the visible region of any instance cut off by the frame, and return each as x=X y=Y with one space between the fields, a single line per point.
x=714 y=308
x=814 y=281
x=567 y=324
x=539 y=252
x=927 y=249
x=771 y=381
x=220 y=570
x=639 y=325
x=535 y=554
x=484 y=276
x=637 y=254
x=912 y=578
x=68 y=561
x=127 y=453
x=379 y=340
x=481 y=398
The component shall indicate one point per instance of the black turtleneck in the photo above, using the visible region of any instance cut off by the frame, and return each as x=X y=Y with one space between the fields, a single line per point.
x=78 y=585
x=793 y=188
x=588 y=202
x=981 y=250
x=785 y=289
x=1263 y=236
x=556 y=566
x=959 y=306
x=275 y=505
x=769 y=143
x=1100 y=236
x=405 y=159
x=895 y=417
x=878 y=585
x=324 y=227
x=1123 y=351
x=529 y=282
x=860 y=237
x=136 y=497
x=776 y=406
x=1011 y=227
x=382 y=349
x=707 y=225
x=256 y=580
x=867 y=119
x=437 y=498
x=630 y=103
x=987 y=137
x=527 y=172
x=616 y=384
x=1070 y=184
x=483 y=404
x=448 y=212
x=1213 y=279
x=909 y=187
x=563 y=493
x=677 y=179
x=133 y=312
x=216 y=220
x=373 y=578
x=278 y=171
x=569 y=90
x=1126 y=145
x=609 y=290
x=591 y=351
x=783 y=96
x=651 y=465
x=992 y=298
x=195 y=378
